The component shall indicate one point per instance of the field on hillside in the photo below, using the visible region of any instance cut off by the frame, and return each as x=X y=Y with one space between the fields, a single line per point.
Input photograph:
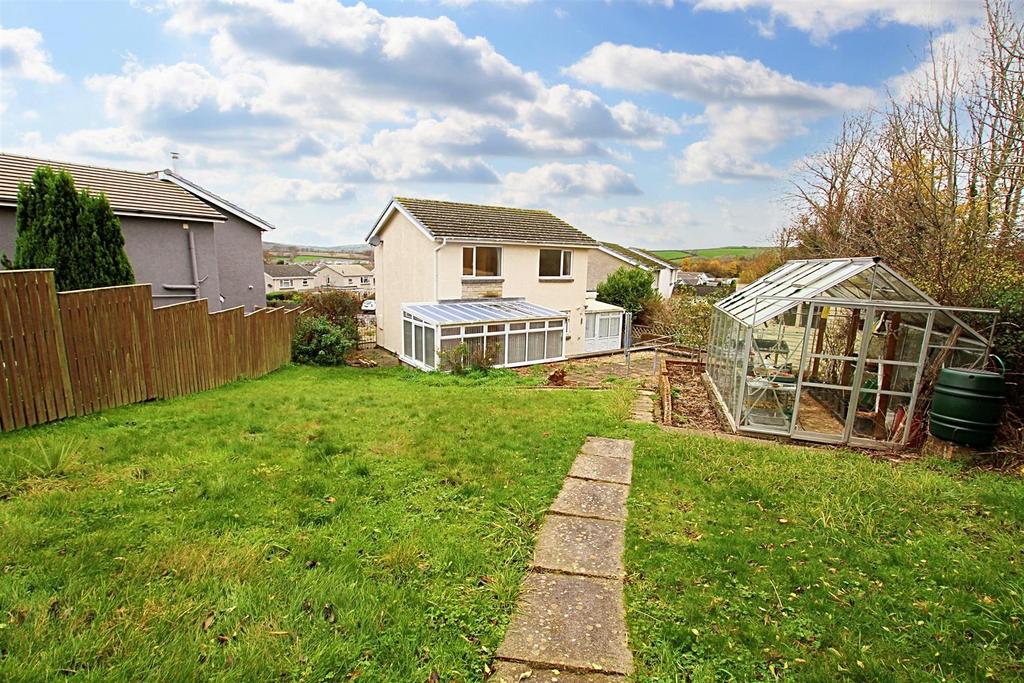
x=713 y=252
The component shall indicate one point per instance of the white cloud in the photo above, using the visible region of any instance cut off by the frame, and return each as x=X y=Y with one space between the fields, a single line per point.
x=568 y=180
x=666 y=224
x=750 y=109
x=737 y=135
x=708 y=78
x=825 y=18
x=22 y=56
x=299 y=190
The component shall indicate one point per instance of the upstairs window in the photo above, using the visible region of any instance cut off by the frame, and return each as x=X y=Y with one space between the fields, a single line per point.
x=555 y=263
x=481 y=261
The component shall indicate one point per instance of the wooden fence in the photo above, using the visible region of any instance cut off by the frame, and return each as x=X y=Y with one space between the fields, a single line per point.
x=76 y=353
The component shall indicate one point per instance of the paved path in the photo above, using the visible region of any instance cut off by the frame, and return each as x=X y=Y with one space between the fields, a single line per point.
x=570 y=623
x=643 y=407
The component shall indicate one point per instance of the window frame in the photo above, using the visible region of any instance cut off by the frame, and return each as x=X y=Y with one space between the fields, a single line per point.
x=565 y=259
x=474 y=275
x=287 y=284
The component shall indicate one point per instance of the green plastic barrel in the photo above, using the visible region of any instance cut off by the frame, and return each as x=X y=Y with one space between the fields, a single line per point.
x=967 y=406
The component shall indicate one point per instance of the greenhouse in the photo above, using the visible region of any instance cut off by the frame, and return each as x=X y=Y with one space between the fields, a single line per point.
x=836 y=351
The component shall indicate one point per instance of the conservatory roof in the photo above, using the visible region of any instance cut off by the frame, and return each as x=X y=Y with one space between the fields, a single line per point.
x=841 y=279
x=467 y=312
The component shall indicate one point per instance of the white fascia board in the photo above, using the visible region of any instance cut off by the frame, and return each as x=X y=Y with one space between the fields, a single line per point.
x=216 y=201
x=395 y=205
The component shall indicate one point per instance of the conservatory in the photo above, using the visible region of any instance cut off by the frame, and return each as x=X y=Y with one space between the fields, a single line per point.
x=836 y=351
x=511 y=332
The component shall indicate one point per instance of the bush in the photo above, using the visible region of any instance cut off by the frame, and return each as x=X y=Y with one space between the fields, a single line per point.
x=685 y=317
x=629 y=288
x=283 y=296
x=337 y=307
x=319 y=341
x=462 y=360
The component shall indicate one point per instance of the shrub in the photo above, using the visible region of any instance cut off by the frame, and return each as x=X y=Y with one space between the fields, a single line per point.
x=685 y=317
x=336 y=306
x=629 y=288
x=319 y=341
x=283 y=296
x=462 y=359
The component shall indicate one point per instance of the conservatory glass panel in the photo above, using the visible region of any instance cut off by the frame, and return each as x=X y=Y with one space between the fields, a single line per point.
x=554 y=343
x=535 y=346
x=428 y=347
x=516 y=348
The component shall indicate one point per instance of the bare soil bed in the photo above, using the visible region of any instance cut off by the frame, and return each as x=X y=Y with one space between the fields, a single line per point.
x=691 y=404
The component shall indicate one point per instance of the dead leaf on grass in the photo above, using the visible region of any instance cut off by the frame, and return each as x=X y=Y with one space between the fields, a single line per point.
x=208 y=621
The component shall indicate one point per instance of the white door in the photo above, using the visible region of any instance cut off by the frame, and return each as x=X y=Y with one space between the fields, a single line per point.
x=603 y=332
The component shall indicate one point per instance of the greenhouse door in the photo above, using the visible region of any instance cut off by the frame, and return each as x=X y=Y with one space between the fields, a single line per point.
x=827 y=382
x=859 y=377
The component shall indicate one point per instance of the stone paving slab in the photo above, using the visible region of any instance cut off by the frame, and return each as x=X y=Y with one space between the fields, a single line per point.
x=599 y=468
x=585 y=498
x=608 y=448
x=569 y=622
x=516 y=672
x=577 y=545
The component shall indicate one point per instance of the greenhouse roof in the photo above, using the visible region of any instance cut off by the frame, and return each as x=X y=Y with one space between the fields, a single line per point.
x=858 y=279
x=462 y=312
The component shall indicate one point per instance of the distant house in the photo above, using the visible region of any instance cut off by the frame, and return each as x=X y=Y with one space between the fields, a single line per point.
x=354 y=277
x=693 y=279
x=609 y=257
x=506 y=281
x=185 y=241
x=287 y=277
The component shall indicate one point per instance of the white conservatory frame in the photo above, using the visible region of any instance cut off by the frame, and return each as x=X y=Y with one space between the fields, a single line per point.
x=521 y=333
x=767 y=344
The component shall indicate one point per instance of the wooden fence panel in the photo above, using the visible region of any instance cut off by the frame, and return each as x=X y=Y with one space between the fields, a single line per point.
x=79 y=352
x=34 y=382
x=108 y=338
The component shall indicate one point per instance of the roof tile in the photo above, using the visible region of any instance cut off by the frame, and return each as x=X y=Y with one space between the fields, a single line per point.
x=459 y=221
x=129 y=192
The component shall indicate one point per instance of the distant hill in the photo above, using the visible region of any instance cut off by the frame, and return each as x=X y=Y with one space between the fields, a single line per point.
x=714 y=252
x=307 y=249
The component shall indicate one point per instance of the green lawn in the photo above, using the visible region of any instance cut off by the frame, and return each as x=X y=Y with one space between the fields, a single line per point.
x=750 y=561
x=323 y=524
x=314 y=524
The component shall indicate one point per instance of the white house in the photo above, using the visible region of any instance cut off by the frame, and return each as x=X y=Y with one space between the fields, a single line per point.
x=495 y=278
x=286 y=277
x=353 y=277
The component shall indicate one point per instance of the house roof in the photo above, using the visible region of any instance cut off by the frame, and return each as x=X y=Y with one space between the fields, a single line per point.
x=345 y=269
x=470 y=311
x=479 y=223
x=216 y=200
x=130 y=193
x=279 y=270
x=691 y=278
x=657 y=260
x=637 y=257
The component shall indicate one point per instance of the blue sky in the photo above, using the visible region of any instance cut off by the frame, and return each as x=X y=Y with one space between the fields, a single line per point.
x=668 y=124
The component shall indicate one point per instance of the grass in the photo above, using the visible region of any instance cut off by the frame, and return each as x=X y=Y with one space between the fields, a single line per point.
x=316 y=524
x=714 y=252
x=323 y=524
x=750 y=561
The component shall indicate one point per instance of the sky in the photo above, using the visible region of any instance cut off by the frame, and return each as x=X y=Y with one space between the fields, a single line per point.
x=662 y=124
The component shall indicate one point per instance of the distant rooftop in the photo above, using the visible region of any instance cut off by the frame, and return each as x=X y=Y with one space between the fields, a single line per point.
x=286 y=270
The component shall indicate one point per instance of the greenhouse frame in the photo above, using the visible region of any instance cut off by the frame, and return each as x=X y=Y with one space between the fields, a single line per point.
x=836 y=351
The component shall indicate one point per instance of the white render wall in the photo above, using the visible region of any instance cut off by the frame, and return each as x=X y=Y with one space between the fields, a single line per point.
x=520 y=269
